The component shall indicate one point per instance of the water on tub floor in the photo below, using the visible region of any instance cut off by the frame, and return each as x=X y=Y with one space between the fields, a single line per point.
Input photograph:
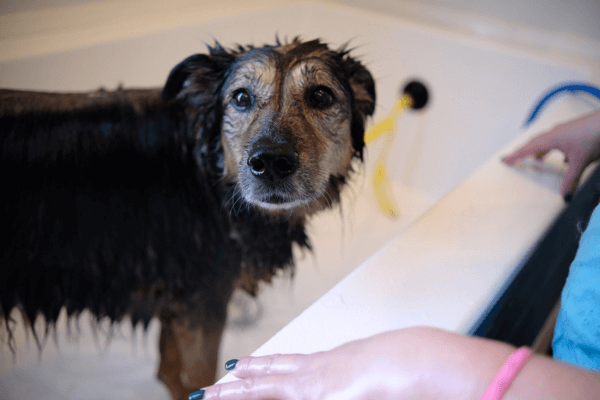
x=78 y=362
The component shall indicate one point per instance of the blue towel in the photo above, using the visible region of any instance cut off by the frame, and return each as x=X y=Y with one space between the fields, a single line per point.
x=577 y=332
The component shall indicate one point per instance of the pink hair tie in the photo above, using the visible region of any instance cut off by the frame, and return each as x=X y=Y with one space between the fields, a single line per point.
x=507 y=374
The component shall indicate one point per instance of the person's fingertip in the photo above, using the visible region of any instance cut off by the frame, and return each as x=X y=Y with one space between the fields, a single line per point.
x=197 y=395
x=229 y=365
x=509 y=160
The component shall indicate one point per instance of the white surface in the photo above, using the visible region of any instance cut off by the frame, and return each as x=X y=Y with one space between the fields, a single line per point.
x=44 y=26
x=514 y=20
x=448 y=262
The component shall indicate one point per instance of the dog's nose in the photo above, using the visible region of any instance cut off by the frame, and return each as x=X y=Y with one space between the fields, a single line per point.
x=273 y=161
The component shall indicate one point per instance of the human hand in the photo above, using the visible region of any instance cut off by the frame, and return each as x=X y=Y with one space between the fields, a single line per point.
x=578 y=140
x=423 y=363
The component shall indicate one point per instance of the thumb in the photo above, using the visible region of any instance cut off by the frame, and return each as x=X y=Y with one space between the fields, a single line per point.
x=571 y=180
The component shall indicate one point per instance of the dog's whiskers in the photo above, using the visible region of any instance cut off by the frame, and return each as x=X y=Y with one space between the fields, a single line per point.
x=237 y=201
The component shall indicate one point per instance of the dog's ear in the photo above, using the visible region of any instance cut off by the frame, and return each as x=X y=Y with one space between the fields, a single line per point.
x=363 y=87
x=178 y=77
x=195 y=84
x=363 y=92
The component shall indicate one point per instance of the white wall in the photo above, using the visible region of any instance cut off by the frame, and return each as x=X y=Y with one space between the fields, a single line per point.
x=538 y=21
x=579 y=17
x=13 y=6
x=574 y=17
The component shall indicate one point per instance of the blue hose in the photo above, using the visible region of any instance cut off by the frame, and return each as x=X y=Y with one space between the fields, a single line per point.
x=571 y=87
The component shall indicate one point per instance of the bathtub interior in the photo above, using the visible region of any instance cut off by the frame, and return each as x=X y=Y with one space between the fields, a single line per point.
x=480 y=93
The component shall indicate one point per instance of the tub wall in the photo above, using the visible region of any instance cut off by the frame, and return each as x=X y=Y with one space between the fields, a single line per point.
x=579 y=17
x=485 y=109
x=480 y=93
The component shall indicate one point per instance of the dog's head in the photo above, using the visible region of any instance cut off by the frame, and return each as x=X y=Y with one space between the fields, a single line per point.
x=291 y=118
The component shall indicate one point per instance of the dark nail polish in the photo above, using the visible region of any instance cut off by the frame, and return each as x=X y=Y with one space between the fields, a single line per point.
x=197 y=395
x=568 y=197
x=229 y=365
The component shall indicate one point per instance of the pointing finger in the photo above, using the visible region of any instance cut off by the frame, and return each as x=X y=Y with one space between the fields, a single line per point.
x=258 y=388
x=276 y=364
x=533 y=147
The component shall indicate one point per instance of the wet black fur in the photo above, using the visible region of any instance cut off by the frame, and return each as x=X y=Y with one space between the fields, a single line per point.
x=118 y=206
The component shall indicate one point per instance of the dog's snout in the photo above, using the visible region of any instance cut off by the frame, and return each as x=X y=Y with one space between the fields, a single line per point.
x=273 y=161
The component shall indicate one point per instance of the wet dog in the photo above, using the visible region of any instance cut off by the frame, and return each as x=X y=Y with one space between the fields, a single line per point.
x=147 y=203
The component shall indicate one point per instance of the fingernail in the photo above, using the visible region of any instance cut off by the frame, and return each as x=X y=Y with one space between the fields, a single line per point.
x=229 y=365
x=197 y=395
x=568 y=197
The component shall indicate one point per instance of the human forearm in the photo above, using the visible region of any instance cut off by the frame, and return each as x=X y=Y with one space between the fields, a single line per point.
x=545 y=378
x=466 y=365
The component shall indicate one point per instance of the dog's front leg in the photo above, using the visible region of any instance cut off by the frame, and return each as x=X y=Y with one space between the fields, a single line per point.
x=188 y=355
x=171 y=364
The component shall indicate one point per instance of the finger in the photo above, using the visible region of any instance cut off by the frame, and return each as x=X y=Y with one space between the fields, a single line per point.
x=532 y=147
x=275 y=364
x=571 y=180
x=259 y=388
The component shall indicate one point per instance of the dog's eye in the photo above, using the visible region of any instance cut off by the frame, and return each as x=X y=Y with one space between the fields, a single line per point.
x=242 y=99
x=320 y=97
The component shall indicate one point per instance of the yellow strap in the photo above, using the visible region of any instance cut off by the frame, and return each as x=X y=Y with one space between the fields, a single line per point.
x=383 y=191
x=381 y=181
x=387 y=124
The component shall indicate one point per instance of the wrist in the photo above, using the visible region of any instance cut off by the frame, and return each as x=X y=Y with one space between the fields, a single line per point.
x=463 y=370
x=507 y=374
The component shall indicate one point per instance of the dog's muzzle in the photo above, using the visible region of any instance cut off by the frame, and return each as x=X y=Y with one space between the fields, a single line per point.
x=272 y=182
x=271 y=161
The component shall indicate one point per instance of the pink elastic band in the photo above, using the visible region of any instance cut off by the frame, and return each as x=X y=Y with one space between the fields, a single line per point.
x=507 y=374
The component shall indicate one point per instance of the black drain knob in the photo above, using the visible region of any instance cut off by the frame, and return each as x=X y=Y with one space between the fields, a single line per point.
x=418 y=93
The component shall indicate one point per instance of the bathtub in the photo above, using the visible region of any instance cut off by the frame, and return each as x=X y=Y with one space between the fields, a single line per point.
x=466 y=223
